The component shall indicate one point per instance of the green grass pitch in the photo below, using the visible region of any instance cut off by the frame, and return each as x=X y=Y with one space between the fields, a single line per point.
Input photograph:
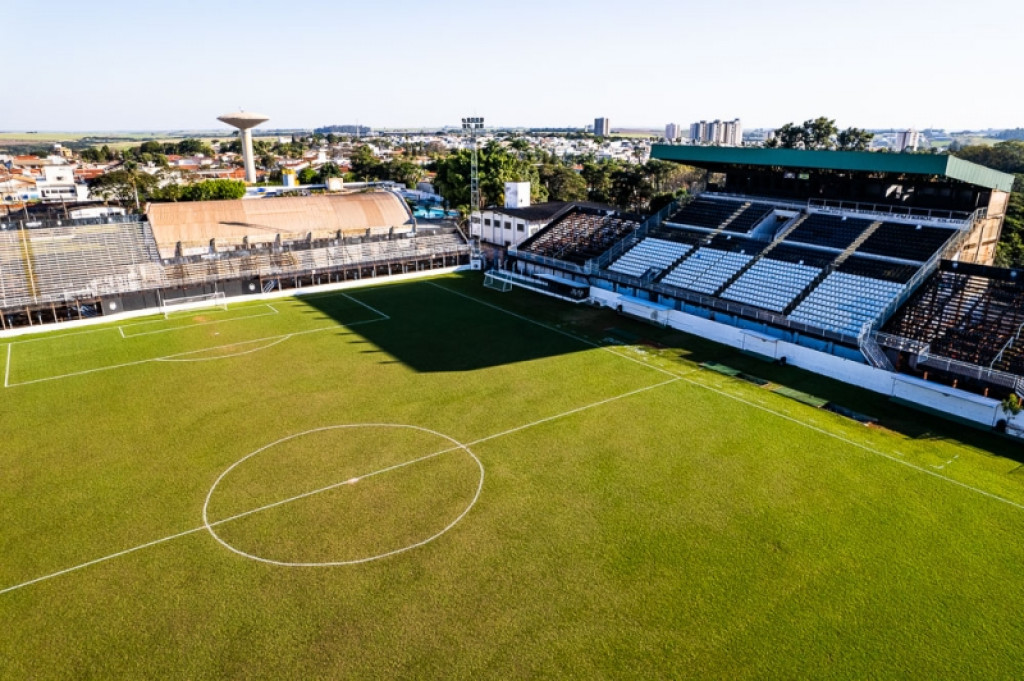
x=435 y=480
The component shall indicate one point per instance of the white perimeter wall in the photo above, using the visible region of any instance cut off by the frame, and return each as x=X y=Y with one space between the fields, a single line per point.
x=956 y=403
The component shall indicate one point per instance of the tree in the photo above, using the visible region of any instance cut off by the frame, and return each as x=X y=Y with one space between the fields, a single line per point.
x=496 y=165
x=791 y=136
x=598 y=176
x=213 y=190
x=819 y=133
x=562 y=183
x=365 y=166
x=307 y=176
x=327 y=171
x=403 y=172
x=126 y=185
x=631 y=188
x=854 y=139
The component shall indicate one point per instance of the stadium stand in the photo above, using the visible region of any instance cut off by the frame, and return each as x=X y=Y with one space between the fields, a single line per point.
x=15 y=277
x=709 y=267
x=775 y=280
x=853 y=295
x=906 y=242
x=93 y=260
x=191 y=225
x=829 y=231
x=732 y=216
x=580 y=234
x=649 y=253
x=59 y=269
x=974 y=316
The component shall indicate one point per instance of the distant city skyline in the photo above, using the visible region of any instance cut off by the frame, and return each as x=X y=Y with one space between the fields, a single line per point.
x=122 y=65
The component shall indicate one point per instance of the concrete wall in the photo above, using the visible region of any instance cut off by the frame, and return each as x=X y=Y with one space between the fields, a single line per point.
x=957 y=404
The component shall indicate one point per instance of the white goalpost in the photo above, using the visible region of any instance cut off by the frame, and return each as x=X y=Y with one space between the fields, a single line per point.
x=197 y=302
x=491 y=280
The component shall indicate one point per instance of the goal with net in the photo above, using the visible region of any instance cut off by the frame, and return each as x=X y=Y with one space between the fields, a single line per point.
x=198 y=302
x=497 y=282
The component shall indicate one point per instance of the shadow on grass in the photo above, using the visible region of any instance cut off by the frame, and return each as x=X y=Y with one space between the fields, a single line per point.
x=433 y=330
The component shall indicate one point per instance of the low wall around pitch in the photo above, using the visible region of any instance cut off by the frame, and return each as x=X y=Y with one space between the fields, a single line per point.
x=950 y=402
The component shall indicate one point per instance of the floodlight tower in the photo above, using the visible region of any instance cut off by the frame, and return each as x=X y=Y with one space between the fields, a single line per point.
x=472 y=125
x=245 y=122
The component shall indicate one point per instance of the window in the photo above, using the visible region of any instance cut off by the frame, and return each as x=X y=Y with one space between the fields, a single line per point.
x=508 y=226
x=520 y=227
x=487 y=222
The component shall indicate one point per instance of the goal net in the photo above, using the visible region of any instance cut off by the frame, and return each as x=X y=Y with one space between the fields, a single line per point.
x=497 y=283
x=198 y=302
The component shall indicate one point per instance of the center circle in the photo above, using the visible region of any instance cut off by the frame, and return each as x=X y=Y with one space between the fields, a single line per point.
x=342 y=495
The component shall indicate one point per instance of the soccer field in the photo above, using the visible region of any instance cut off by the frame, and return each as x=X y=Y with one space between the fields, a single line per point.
x=432 y=479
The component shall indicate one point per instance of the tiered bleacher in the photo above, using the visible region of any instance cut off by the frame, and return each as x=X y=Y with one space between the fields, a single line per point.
x=15 y=289
x=853 y=295
x=649 y=253
x=60 y=267
x=830 y=271
x=91 y=260
x=830 y=231
x=905 y=241
x=974 y=315
x=710 y=213
x=580 y=234
x=774 y=281
x=709 y=267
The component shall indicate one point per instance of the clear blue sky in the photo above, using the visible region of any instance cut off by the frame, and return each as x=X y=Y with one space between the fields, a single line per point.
x=138 y=65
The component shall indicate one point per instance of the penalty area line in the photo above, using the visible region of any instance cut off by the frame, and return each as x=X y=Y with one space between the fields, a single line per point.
x=174 y=357
x=349 y=481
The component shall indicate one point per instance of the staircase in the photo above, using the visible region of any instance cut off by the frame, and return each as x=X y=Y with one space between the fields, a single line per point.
x=873 y=352
x=26 y=263
x=729 y=220
x=775 y=242
x=832 y=267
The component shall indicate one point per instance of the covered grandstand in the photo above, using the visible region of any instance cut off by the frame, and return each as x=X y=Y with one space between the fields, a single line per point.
x=818 y=250
x=61 y=270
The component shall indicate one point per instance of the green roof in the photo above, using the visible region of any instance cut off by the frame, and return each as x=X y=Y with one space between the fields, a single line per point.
x=856 y=161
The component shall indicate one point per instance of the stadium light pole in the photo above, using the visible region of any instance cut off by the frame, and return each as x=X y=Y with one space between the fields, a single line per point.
x=472 y=124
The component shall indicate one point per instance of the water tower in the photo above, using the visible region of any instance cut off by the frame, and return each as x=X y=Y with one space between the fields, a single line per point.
x=245 y=122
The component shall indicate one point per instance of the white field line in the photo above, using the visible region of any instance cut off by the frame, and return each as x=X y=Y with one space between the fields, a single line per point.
x=554 y=329
x=190 y=326
x=171 y=358
x=47 y=337
x=324 y=489
x=271 y=344
x=368 y=307
x=805 y=424
x=7 y=370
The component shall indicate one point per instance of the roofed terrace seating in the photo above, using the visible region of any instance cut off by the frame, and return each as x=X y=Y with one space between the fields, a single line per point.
x=831 y=231
x=905 y=241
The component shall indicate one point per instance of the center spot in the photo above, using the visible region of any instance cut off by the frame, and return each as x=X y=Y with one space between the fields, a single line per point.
x=343 y=494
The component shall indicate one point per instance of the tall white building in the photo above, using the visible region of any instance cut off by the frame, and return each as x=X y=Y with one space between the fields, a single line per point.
x=717 y=132
x=908 y=139
x=673 y=132
x=601 y=127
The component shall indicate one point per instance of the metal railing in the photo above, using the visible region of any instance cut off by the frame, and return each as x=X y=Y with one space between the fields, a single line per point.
x=967 y=370
x=747 y=311
x=901 y=212
x=75 y=222
x=597 y=264
x=1006 y=346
